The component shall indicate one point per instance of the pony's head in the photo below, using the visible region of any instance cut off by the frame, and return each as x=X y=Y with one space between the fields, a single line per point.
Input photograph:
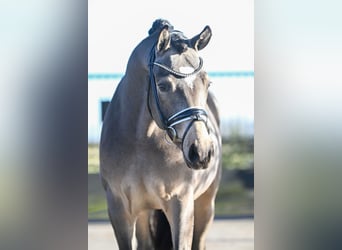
x=178 y=92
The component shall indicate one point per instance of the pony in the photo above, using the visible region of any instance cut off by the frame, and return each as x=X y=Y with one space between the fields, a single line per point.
x=160 y=147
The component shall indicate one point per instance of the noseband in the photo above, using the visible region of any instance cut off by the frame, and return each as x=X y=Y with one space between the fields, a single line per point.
x=191 y=114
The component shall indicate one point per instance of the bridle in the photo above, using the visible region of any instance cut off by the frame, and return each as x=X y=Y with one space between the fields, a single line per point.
x=191 y=114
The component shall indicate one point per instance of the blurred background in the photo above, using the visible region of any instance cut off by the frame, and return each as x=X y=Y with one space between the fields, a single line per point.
x=44 y=94
x=228 y=59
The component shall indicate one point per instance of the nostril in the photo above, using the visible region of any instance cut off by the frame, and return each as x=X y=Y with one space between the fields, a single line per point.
x=193 y=154
x=209 y=156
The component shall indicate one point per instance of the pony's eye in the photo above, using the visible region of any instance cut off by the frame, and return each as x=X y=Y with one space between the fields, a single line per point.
x=164 y=87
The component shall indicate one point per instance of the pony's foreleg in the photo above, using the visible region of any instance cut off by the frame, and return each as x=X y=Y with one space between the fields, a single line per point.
x=180 y=214
x=203 y=217
x=204 y=214
x=123 y=222
x=143 y=233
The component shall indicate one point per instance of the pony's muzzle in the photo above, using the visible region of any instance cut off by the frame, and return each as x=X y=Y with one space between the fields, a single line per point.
x=199 y=158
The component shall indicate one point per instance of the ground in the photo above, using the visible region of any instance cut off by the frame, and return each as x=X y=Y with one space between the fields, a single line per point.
x=231 y=234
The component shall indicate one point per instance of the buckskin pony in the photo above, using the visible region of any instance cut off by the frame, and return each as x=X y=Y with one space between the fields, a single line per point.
x=160 y=148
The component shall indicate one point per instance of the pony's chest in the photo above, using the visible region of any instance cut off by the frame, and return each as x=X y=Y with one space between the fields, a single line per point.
x=179 y=182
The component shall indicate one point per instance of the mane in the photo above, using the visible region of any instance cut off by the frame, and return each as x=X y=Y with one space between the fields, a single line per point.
x=158 y=25
x=178 y=40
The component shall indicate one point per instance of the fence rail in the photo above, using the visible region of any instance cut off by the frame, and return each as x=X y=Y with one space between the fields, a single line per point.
x=108 y=76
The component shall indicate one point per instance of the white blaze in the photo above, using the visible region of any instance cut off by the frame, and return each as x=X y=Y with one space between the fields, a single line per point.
x=190 y=79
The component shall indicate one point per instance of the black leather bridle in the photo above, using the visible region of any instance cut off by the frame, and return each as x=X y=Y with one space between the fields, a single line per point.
x=191 y=114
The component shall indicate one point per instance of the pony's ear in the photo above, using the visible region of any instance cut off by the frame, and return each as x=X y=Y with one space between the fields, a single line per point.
x=164 y=39
x=202 y=39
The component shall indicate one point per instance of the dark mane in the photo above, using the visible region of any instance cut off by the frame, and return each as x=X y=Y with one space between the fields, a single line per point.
x=158 y=25
x=178 y=40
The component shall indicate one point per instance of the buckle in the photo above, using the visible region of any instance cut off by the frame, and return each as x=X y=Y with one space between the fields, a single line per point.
x=172 y=133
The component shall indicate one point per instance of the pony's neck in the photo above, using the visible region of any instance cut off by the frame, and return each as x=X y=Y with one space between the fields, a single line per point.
x=138 y=62
x=136 y=84
x=137 y=72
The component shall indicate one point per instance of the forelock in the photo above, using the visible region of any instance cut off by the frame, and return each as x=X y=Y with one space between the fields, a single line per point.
x=179 y=41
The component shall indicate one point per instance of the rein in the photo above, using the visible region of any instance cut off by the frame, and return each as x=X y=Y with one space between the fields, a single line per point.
x=188 y=114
